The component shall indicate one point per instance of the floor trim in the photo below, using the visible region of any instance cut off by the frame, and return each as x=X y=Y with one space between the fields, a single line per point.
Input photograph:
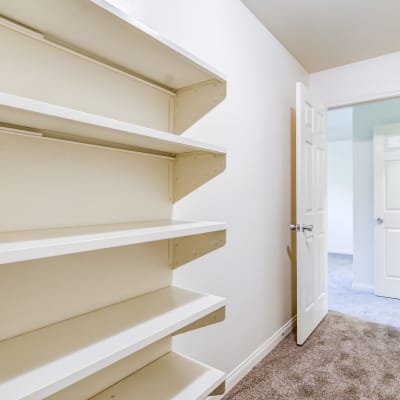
x=362 y=287
x=340 y=251
x=250 y=362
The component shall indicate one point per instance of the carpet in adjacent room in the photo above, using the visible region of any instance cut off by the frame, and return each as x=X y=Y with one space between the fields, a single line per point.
x=359 y=304
x=344 y=359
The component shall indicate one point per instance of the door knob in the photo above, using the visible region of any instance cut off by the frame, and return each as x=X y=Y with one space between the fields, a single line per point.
x=308 y=228
x=298 y=228
x=379 y=221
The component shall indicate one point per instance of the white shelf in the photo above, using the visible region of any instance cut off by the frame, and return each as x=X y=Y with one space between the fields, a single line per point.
x=58 y=121
x=42 y=362
x=171 y=377
x=30 y=245
x=101 y=30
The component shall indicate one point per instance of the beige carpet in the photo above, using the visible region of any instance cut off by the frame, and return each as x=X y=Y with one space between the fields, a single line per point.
x=344 y=359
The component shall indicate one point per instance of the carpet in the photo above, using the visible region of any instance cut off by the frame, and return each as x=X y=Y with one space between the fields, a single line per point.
x=344 y=359
x=344 y=299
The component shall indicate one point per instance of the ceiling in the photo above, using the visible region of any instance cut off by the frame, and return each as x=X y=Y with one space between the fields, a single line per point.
x=324 y=34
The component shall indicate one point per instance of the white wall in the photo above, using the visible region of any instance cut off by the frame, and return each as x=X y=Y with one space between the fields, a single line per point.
x=366 y=117
x=340 y=181
x=254 y=122
x=358 y=82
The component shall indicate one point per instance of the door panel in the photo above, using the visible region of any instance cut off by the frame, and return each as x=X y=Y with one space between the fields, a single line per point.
x=320 y=180
x=392 y=195
x=308 y=179
x=387 y=210
x=392 y=241
x=321 y=272
x=312 y=303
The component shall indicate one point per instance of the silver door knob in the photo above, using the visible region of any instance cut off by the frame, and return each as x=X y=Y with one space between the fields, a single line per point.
x=308 y=228
x=379 y=221
x=294 y=227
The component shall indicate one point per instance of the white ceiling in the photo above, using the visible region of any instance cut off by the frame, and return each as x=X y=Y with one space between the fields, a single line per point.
x=323 y=34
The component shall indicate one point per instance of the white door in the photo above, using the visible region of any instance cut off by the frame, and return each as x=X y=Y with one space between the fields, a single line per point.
x=387 y=210
x=312 y=265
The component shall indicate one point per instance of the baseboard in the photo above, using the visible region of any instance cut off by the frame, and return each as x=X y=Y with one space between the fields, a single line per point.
x=250 y=362
x=340 y=251
x=362 y=287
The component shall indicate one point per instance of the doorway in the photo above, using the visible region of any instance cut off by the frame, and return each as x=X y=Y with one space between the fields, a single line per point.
x=352 y=223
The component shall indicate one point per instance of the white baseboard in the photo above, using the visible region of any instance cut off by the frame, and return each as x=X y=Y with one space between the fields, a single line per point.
x=250 y=362
x=362 y=287
x=340 y=251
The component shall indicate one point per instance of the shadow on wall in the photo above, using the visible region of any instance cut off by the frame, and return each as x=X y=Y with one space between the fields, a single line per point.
x=292 y=248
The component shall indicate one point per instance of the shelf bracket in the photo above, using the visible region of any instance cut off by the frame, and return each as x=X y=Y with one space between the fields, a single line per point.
x=193 y=102
x=220 y=390
x=194 y=169
x=210 y=319
x=188 y=248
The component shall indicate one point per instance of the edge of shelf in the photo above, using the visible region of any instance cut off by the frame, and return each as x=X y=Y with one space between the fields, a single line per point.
x=43 y=377
x=201 y=380
x=208 y=72
x=161 y=39
x=72 y=116
x=35 y=244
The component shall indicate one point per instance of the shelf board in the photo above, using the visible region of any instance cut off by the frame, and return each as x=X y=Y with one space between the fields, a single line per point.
x=30 y=245
x=66 y=123
x=42 y=362
x=176 y=377
x=106 y=33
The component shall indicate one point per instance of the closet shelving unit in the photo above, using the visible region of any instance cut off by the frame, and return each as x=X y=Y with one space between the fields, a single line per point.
x=107 y=34
x=123 y=349
x=31 y=245
x=196 y=378
x=96 y=30
x=121 y=330
x=50 y=120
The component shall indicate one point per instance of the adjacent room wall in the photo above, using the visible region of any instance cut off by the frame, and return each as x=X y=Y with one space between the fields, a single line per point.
x=340 y=181
x=253 y=271
x=366 y=117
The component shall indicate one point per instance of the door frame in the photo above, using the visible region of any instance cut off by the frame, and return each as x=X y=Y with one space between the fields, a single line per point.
x=345 y=102
x=368 y=98
x=338 y=103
